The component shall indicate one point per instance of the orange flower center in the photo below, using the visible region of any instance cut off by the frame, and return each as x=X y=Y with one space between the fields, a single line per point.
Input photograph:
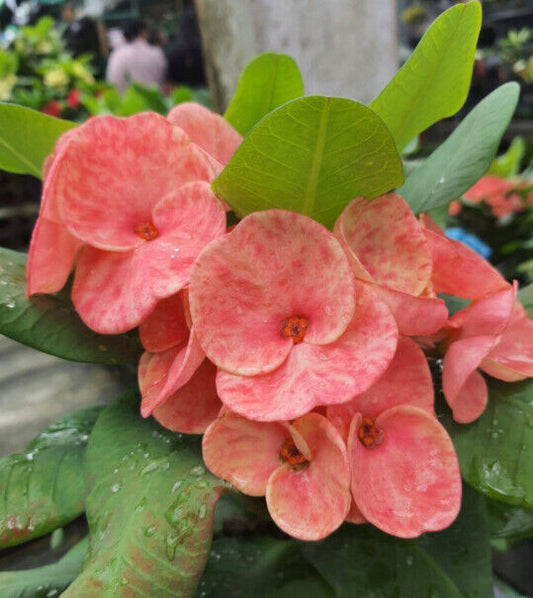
x=146 y=230
x=294 y=327
x=291 y=455
x=368 y=433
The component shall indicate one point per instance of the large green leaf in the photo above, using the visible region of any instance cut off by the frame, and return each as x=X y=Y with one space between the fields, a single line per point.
x=150 y=508
x=311 y=155
x=508 y=524
x=267 y=82
x=50 y=323
x=46 y=581
x=43 y=488
x=465 y=156
x=434 y=82
x=27 y=137
x=260 y=566
x=362 y=561
x=495 y=451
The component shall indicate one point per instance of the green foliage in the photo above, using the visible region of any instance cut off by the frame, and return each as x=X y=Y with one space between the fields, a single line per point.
x=47 y=581
x=311 y=155
x=465 y=156
x=269 y=81
x=508 y=164
x=494 y=451
x=26 y=138
x=508 y=524
x=150 y=508
x=434 y=82
x=43 y=488
x=50 y=323
x=357 y=561
x=138 y=98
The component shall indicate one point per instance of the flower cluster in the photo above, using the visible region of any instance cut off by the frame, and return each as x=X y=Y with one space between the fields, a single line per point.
x=297 y=351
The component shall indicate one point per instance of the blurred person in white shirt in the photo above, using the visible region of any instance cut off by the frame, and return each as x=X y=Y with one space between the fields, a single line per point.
x=136 y=60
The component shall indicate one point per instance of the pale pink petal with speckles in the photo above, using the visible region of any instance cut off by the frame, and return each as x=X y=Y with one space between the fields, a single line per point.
x=207 y=129
x=457 y=269
x=51 y=257
x=243 y=452
x=487 y=316
x=163 y=375
x=464 y=387
x=407 y=381
x=386 y=238
x=274 y=265
x=114 y=171
x=415 y=316
x=512 y=358
x=115 y=291
x=194 y=405
x=315 y=375
x=311 y=503
x=166 y=326
x=409 y=483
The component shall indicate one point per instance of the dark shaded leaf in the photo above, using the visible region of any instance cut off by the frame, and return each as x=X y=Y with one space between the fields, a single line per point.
x=50 y=323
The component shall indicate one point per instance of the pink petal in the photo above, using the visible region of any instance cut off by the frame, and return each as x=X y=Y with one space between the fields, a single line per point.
x=512 y=358
x=459 y=270
x=243 y=452
x=128 y=165
x=407 y=381
x=194 y=405
x=312 y=502
x=355 y=515
x=410 y=482
x=387 y=239
x=316 y=375
x=115 y=291
x=207 y=129
x=164 y=373
x=52 y=254
x=274 y=265
x=463 y=387
x=166 y=326
x=415 y=316
x=489 y=315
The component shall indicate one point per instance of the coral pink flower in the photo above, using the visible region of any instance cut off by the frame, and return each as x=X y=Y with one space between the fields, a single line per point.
x=457 y=269
x=405 y=475
x=301 y=468
x=134 y=193
x=274 y=307
x=387 y=249
x=207 y=130
x=492 y=334
x=497 y=193
x=177 y=383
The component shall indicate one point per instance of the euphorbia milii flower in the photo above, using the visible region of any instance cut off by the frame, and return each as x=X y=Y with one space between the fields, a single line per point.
x=274 y=306
x=387 y=249
x=492 y=334
x=177 y=382
x=135 y=194
x=206 y=129
x=457 y=269
x=405 y=475
x=301 y=467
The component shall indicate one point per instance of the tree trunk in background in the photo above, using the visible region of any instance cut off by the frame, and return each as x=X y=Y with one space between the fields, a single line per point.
x=344 y=48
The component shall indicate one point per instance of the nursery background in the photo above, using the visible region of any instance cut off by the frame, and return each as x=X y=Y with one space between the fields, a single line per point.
x=75 y=60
